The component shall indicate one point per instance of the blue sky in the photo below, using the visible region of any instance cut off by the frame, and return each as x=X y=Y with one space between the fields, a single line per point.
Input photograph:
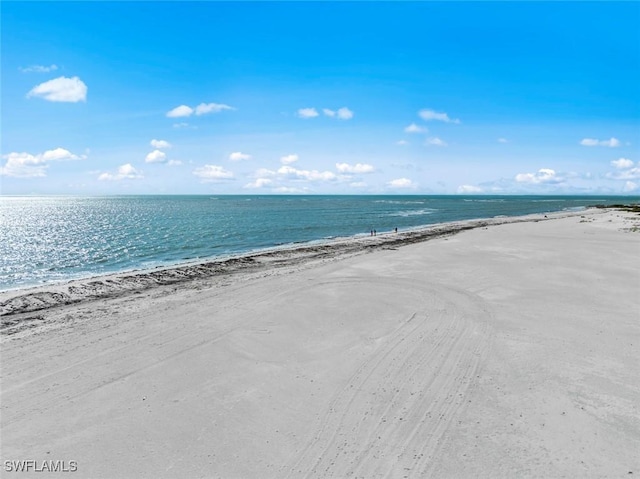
x=301 y=97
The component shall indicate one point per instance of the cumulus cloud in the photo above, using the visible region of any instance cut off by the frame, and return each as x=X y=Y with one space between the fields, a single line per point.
x=357 y=168
x=611 y=143
x=429 y=115
x=184 y=111
x=238 y=156
x=358 y=184
x=542 y=176
x=39 y=69
x=180 y=111
x=212 y=173
x=341 y=114
x=60 y=154
x=174 y=163
x=124 y=172
x=344 y=113
x=156 y=156
x=413 y=128
x=626 y=174
x=160 y=144
x=307 y=113
x=624 y=170
x=263 y=172
x=401 y=183
x=23 y=165
x=26 y=165
x=259 y=183
x=288 y=159
x=435 y=141
x=309 y=175
x=204 y=108
x=622 y=163
x=62 y=89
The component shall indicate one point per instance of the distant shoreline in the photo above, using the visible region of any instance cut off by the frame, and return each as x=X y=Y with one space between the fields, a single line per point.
x=38 y=298
x=83 y=238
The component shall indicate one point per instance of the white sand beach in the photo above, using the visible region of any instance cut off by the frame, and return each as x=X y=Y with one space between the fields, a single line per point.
x=506 y=350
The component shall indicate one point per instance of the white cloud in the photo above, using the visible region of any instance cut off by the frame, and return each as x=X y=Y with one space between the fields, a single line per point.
x=259 y=183
x=204 y=108
x=160 y=144
x=124 y=172
x=625 y=170
x=23 y=165
x=344 y=113
x=156 y=156
x=543 y=175
x=630 y=186
x=622 y=163
x=469 y=189
x=180 y=111
x=174 y=163
x=357 y=168
x=26 y=165
x=181 y=124
x=60 y=154
x=39 y=69
x=238 y=156
x=309 y=175
x=436 y=141
x=212 y=173
x=402 y=142
x=307 y=113
x=628 y=174
x=429 y=115
x=401 y=183
x=611 y=143
x=288 y=159
x=62 y=89
x=263 y=172
x=503 y=140
x=341 y=114
x=413 y=128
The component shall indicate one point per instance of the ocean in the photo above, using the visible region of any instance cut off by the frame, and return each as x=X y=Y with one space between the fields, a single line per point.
x=52 y=239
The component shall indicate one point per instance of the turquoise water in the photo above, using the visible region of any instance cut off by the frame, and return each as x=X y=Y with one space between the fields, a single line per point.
x=49 y=239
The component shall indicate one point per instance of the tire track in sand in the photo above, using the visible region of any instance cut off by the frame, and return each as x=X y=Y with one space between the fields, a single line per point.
x=391 y=418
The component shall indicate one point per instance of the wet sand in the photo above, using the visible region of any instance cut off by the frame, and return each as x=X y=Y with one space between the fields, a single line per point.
x=499 y=348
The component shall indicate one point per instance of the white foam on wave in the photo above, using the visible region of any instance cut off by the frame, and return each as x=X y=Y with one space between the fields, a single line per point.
x=421 y=212
x=398 y=202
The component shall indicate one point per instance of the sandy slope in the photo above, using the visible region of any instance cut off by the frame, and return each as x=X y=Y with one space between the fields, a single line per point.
x=507 y=351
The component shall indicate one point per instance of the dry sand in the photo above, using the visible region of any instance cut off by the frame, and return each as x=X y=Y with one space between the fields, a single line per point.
x=505 y=350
